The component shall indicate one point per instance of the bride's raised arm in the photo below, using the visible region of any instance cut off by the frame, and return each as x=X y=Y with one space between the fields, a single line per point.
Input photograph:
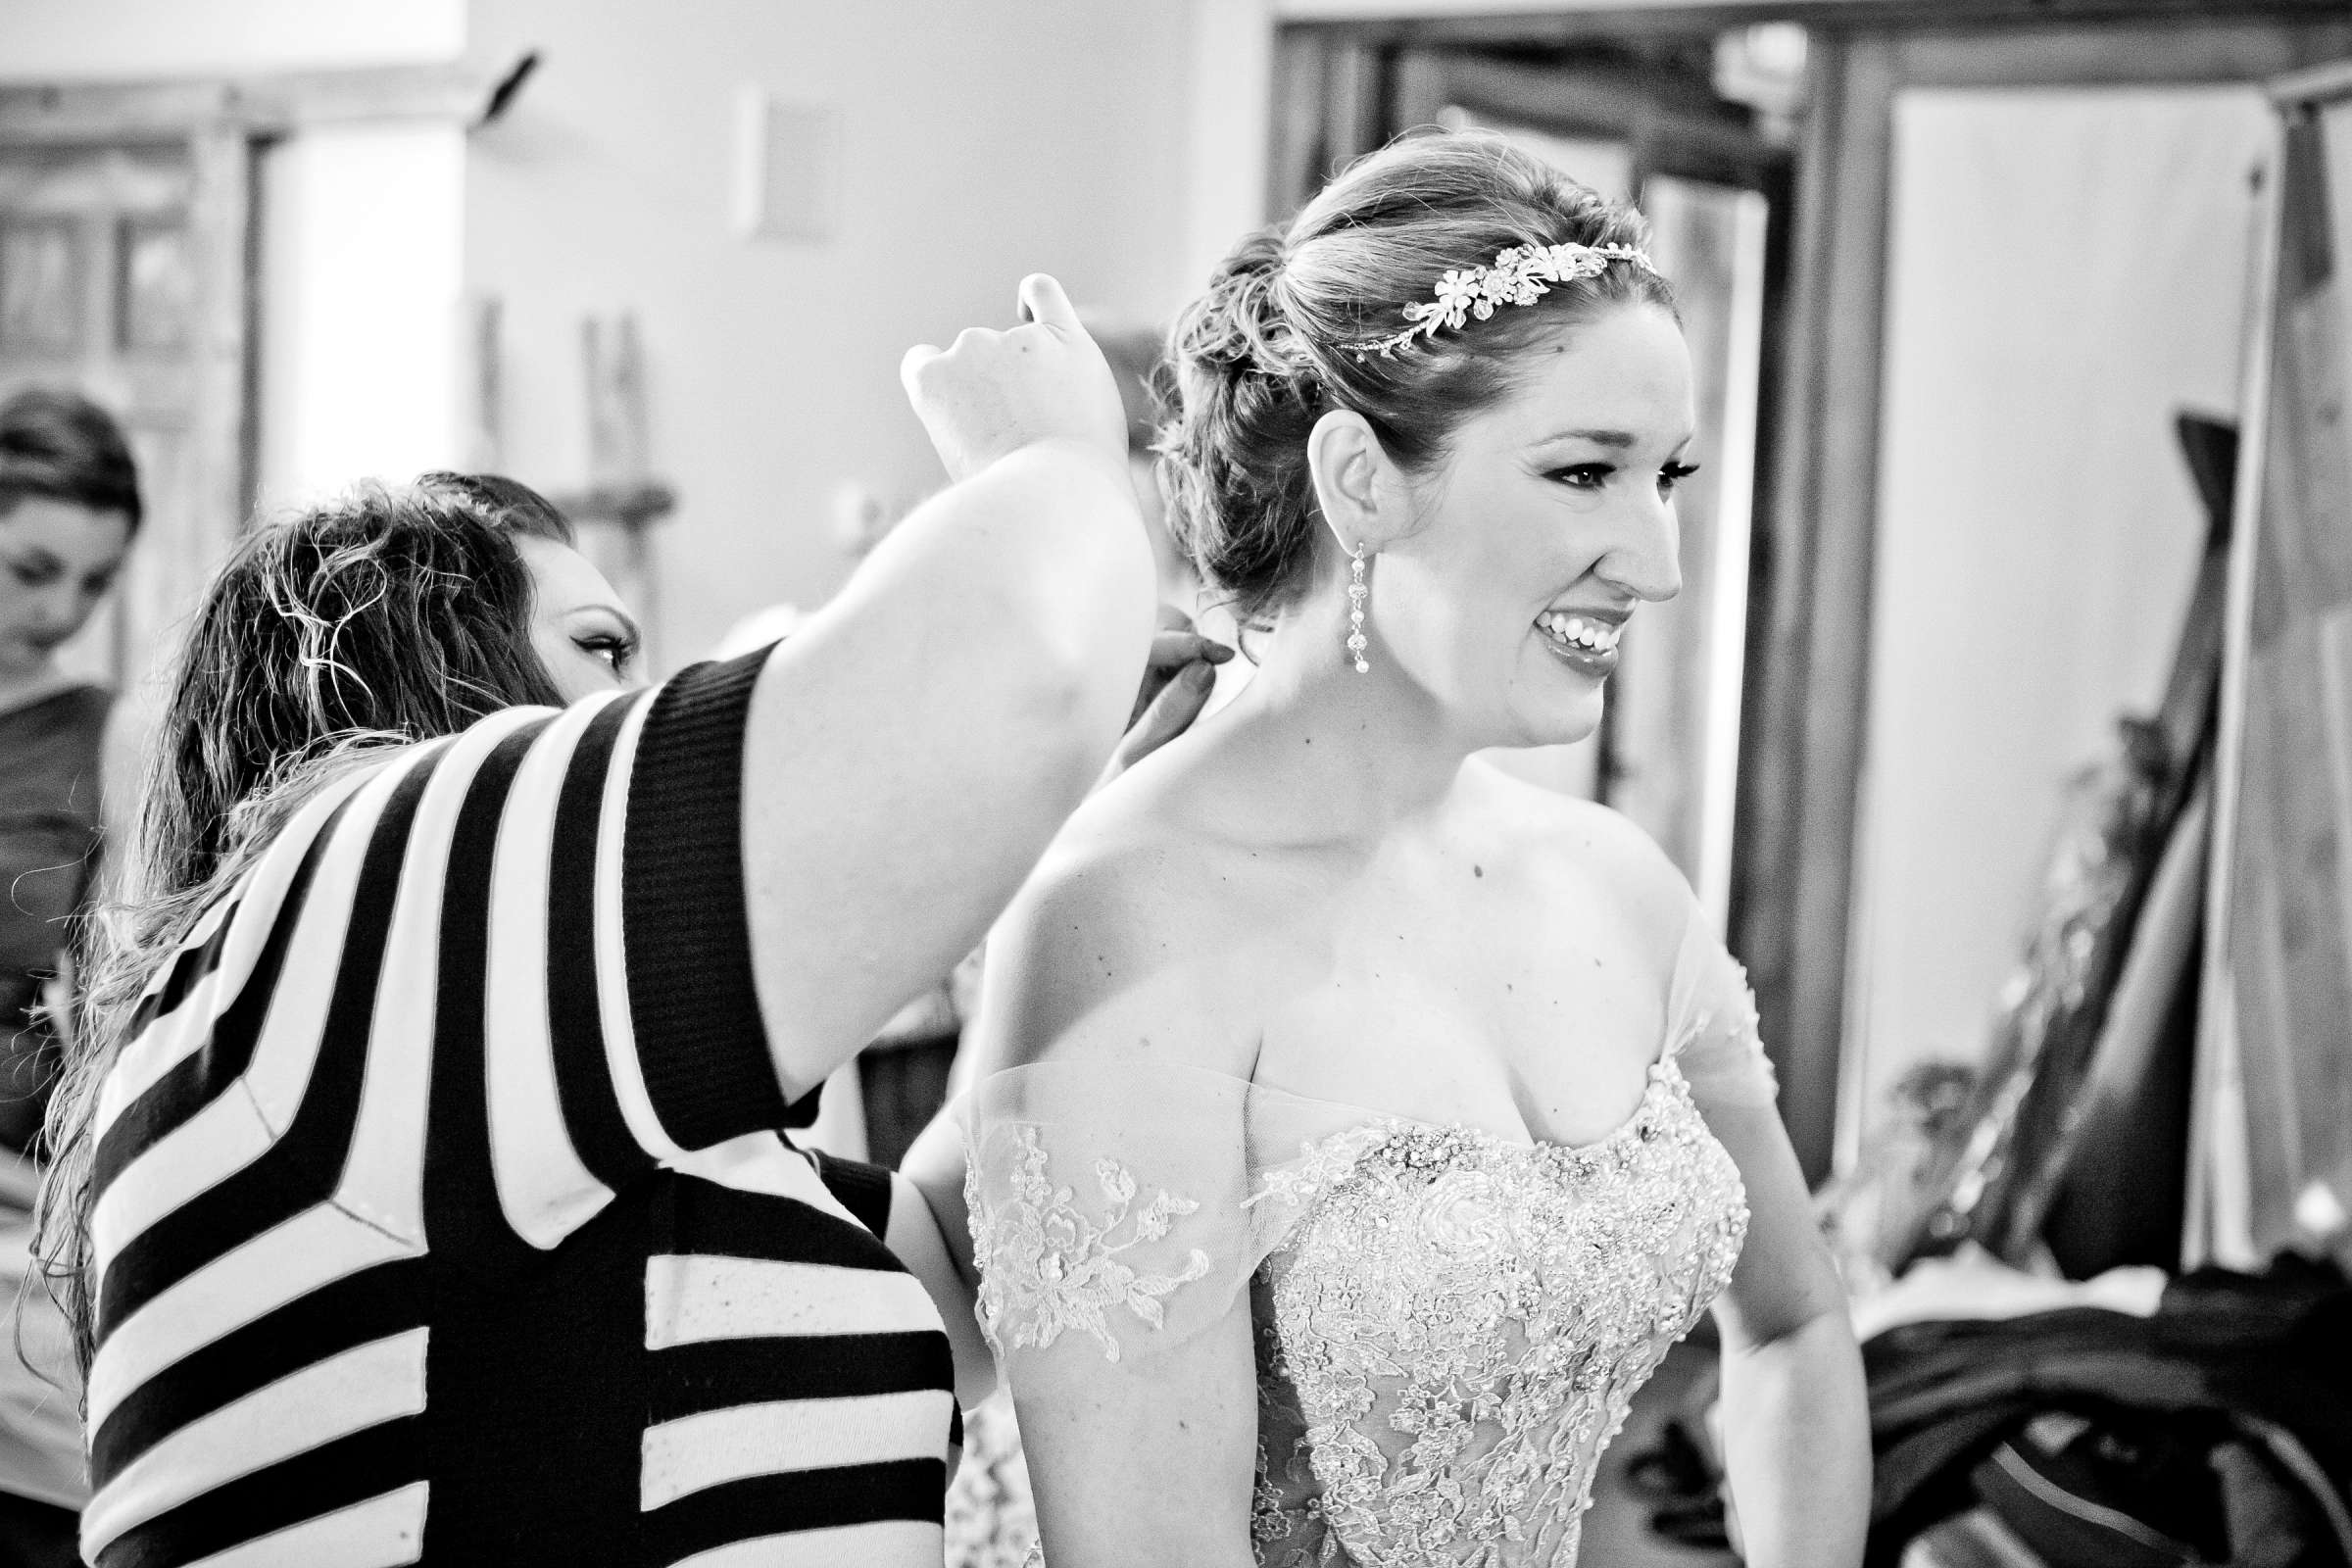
x=1108 y=1216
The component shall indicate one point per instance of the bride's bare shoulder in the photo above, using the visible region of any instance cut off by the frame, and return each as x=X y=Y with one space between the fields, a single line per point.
x=1584 y=851
x=1131 y=939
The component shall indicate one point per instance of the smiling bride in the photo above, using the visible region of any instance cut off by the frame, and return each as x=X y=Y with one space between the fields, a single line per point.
x=1356 y=1126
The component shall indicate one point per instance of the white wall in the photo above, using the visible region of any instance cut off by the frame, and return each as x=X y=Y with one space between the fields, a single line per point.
x=76 y=40
x=2068 y=271
x=361 y=262
x=977 y=143
x=1230 y=117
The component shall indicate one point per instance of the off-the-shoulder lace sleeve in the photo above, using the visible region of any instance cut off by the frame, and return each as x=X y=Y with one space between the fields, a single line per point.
x=1712 y=1025
x=1107 y=1208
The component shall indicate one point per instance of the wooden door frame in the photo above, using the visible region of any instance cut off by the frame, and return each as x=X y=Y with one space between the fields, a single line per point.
x=223 y=125
x=1804 y=741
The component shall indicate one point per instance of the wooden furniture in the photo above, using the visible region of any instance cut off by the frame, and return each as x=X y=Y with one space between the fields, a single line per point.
x=2273 y=1128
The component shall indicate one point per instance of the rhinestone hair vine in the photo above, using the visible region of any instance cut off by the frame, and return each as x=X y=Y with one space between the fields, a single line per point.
x=1520 y=275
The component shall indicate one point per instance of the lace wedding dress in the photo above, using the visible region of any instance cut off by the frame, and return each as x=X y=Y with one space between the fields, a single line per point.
x=1449 y=1325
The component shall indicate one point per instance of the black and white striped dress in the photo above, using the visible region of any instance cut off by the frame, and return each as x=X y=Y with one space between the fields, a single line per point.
x=442 y=1216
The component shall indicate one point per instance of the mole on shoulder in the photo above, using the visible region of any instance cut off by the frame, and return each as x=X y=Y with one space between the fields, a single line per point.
x=1478 y=870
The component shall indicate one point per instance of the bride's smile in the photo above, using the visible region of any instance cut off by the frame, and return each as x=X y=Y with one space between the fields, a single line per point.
x=1558 y=496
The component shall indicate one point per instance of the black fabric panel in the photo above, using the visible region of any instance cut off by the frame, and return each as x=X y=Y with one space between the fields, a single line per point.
x=804 y=1499
x=371 y=1304
x=535 y=1388
x=535 y=1383
x=576 y=1024
x=720 y=1374
x=864 y=1189
x=463 y=1221
x=700 y=1036
x=333 y=1475
x=306 y=1164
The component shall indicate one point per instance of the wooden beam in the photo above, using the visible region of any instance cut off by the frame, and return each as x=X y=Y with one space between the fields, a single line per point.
x=2316 y=85
x=2165 y=52
x=1329 y=113
x=259 y=107
x=1803 y=745
x=223 y=439
x=1430 y=20
x=1624 y=105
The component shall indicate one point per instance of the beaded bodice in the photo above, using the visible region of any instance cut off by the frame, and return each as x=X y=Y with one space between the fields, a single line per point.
x=1454 y=1329
x=1449 y=1325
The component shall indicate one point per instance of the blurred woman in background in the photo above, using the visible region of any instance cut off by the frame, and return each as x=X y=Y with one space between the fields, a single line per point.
x=68 y=510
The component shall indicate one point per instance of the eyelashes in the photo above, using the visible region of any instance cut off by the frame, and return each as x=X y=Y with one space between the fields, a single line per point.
x=1594 y=476
x=618 y=653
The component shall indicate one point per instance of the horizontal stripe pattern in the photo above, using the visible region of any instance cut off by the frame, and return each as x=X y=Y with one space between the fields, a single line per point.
x=696 y=1452
x=887 y=1541
x=344 y=1394
x=694 y=1298
x=427 y=1227
x=383 y=1531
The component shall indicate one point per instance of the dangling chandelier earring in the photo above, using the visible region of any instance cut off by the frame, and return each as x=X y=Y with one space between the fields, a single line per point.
x=1355 y=608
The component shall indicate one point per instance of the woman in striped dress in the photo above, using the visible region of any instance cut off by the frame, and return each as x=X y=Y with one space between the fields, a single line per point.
x=424 y=1194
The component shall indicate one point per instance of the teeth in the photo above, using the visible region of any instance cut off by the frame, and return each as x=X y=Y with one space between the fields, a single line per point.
x=1576 y=632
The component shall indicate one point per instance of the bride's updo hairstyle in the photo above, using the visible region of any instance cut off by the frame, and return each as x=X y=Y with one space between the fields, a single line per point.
x=1270 y=346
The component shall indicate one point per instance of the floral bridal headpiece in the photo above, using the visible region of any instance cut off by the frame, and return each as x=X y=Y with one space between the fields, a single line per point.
x=1520 y=275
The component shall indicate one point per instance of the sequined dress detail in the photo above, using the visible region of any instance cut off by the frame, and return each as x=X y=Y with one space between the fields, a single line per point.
x=1449 y=1325
x=1455 y=1328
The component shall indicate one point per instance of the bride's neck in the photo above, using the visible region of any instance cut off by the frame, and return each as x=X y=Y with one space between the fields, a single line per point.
x=1360 y=750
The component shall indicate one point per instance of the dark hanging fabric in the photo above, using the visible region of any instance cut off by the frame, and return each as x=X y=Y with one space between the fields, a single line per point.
x=2269 y=1357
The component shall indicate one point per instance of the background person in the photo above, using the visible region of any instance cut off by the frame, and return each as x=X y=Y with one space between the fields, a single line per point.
x=68 y=510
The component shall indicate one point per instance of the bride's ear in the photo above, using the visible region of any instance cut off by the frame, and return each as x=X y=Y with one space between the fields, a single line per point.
x=1357 y=486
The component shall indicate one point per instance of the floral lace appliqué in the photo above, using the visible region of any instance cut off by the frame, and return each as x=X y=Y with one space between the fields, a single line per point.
x=1049 y=1266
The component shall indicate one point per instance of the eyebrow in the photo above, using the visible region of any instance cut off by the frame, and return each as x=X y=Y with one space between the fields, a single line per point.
x=628 y=623
x=1601 y=438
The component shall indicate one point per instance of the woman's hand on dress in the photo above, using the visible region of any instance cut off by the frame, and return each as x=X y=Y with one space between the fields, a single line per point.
x=1178 y=678
x=992 y=393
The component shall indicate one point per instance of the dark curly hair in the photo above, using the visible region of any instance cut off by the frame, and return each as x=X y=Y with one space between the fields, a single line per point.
x=62 y=446
x=1267 y=350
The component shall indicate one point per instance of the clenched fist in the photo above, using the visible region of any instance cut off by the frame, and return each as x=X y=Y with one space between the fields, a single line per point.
x=993 y=393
